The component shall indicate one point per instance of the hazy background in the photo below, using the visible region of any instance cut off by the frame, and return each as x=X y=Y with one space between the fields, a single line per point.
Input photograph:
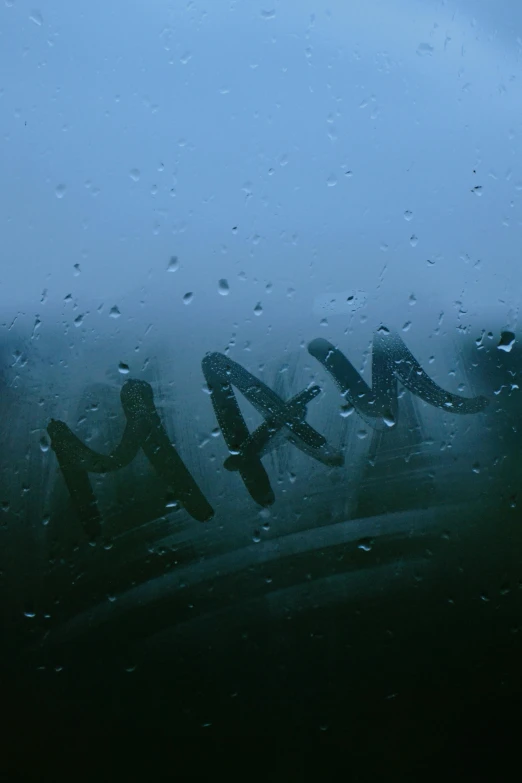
x=286 y=142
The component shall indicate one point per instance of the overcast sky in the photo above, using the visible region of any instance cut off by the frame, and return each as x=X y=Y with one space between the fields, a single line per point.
x=295 y=149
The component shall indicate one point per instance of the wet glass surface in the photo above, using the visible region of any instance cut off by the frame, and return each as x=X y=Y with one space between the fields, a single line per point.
x=259 y=367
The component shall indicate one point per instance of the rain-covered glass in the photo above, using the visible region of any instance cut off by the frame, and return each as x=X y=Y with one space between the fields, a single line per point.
x=259 y=361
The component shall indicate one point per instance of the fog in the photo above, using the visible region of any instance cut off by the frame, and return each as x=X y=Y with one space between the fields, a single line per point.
x=246 y=177
x=287 y=146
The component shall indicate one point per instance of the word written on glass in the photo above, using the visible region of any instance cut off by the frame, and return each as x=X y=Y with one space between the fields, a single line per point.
x=377 y=405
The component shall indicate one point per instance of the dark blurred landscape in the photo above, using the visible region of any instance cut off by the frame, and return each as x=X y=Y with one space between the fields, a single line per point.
x=378 y=608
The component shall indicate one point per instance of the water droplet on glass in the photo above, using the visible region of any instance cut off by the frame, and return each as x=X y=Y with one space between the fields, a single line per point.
x=123 y=368
x=507 y=340
x=36 y=17
x=78 y=321
x=408 y=215
x=134 y=174
x=223 y=287
x=77 y=270
x=44 y=444
x=347 y=410
x=258 y=310
x=256 y=538
x=365 y=544
x=362 y=434
x=476 y=467
x=477 y=190
x=173 y=264
x=425 y=50
x=60 y=191
x=29 y=613
x=114 y=312
x=268 y=14
x=406 y=326
x=187 y=299
x=389 y=420
x=414 y=240
x=331 y=181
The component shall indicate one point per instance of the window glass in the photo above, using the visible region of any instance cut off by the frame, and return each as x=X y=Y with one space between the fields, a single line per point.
x=260 y=289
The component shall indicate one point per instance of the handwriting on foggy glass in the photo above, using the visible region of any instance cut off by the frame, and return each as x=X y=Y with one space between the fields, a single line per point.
x=377 y=405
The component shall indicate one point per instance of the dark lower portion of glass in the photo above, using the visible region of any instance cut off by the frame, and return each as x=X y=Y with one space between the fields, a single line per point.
x=411 y=654
x=394 y=683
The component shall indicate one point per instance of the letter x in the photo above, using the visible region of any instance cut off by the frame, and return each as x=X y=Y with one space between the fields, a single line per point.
x=247 y=449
